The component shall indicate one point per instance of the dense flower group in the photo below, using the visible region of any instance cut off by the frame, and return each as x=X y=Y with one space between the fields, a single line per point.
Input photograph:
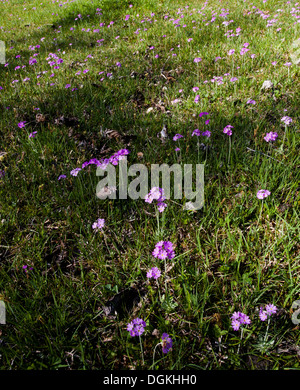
x=164 y=250
x=227 y=130
x=154 y=273
x=114 y=159
x=269 y=310
x=136 y=327
x=239 y=319
x=262 y=194
x=271 y=136
x=99 y=224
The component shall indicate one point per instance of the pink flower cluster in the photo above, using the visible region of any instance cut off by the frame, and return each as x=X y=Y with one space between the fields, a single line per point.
x=239 y=319
x=269 y=310
x=163 y=250
x=136 y=327
x=227 y=130
x=157 y=194
x=154 y=273
x=99 y=224
x=270 y=136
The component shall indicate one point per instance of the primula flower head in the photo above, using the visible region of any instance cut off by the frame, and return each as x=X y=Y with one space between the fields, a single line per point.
x=157 y=194
x=166 y=342
x=235 y=324
x=270 y=136
x=99 y=224
x=164 y=250
x=197 y=59
x=227 y=130
x=21 y=124
x=61 y=177
x=136 y=327
x=177 y=136
x=196 y=132
x=154 y=273
x=286 y=120
x=269 y=310
x=203 y=113
x=263 y=314
x=206 y=133
x=261 y=194
x=75 y=171
x=239 y=319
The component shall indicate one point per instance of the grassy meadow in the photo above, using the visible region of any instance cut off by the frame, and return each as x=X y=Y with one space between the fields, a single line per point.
x=170 y=81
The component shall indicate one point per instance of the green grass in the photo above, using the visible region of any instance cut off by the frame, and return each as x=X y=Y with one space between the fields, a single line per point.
x=237 y=253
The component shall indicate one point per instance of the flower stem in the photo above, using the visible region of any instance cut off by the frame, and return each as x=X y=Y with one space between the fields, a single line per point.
x=154 y=353
x=261 y=208
x=229 y=150
x=265 y=338
x=157 y=218
x=142 y=352
x=240 y=341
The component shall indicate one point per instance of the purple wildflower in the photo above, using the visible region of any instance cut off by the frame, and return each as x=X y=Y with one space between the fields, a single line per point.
x=75 y=171
x=270 y=136
x=197 y=59
x=286 y=120
x=32 y=61
x=61 y=177
x=271 y=309
x=196 y=132
x=99 y=224
x=197 y=98
x=206 y=133
x=166 y=342
x=21 y=124
x=203 y=113
x=261 y=194
x=157 y=194
x=239 y=319
x=136 y=327
x=235 y=324
x=263 y=314
x=25 y=268
x=154 y=273
x=227 y=130
x=243 y=51
x=177 y=136
x=163 y=250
